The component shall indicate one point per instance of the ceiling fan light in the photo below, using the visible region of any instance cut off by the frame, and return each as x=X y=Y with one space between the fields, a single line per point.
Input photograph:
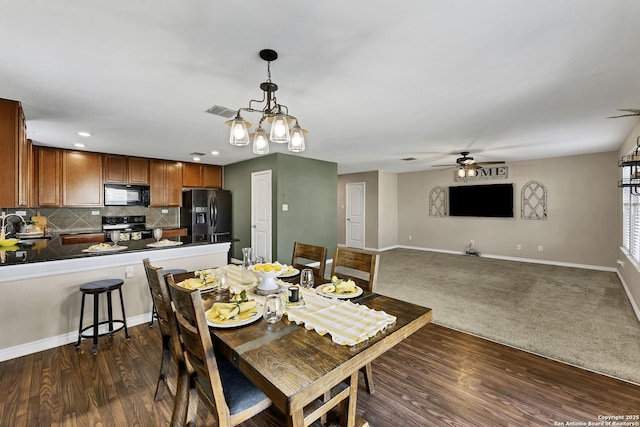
x=296 y=144
x=461 y=173
x=471 y=172
x=239 y=133
x=280 y=129
x=260 y=142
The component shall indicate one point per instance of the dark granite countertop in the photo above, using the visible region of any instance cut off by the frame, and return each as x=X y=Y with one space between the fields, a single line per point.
x=51 y=249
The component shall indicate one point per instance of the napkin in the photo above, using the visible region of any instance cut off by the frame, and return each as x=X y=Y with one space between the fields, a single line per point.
x=221 y=311
x=340 y=287
x=192 y=283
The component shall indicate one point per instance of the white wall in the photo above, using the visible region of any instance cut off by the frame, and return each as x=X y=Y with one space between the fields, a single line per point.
x=387 y=209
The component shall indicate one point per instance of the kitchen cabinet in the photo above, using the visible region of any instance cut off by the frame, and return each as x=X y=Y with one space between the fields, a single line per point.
x=16 y=155
x=126 y=170
x=49 y=176
x=195 y=175
x=165 y=181
x=82 y=183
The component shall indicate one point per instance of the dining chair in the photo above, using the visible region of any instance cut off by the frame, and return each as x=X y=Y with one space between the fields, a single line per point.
x=303 y=251
x=225 y=391
x=362 y=267
x=171 y=344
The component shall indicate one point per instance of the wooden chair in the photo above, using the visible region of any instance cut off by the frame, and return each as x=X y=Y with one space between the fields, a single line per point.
x=303 y=251
x=347 y=264
x=171 y=343
x=229 y=395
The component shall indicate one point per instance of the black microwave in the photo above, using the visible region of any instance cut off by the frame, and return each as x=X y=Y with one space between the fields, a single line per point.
x=126 y=195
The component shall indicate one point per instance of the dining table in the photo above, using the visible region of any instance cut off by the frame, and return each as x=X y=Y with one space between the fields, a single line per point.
x=295 y=364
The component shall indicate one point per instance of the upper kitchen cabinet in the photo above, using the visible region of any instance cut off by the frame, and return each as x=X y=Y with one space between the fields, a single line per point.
x=82 y=183
x=126 y=170
x=165 y=180
x=16 y=154
x=195 y=175
x=49 y=176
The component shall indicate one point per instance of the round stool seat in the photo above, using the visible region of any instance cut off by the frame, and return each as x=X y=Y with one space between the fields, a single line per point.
x=98 y=286
x=174 y=271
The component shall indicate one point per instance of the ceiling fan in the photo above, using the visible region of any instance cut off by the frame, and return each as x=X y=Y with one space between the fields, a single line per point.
x=467 y=162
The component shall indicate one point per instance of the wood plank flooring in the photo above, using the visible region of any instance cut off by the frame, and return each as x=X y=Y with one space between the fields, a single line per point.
x=436 y=377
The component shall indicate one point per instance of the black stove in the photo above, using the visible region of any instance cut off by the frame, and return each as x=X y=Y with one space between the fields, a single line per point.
x=131 y=227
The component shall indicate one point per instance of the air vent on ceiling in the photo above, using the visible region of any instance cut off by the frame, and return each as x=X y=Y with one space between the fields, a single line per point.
x=409 y=159
x=197 y=154
x=222 y=111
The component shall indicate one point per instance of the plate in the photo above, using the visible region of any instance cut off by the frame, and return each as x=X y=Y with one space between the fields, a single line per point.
x=294 y=272
x=164 y=244
x=201 y=289
x=31 y=234
x=111 y=249
x=254 y=315
x=339 y=296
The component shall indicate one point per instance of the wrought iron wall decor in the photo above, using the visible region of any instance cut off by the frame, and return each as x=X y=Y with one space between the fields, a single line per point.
x=533 y=201
x=438 y=202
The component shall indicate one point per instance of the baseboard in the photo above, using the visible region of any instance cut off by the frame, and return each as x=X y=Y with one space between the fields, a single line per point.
x=57 y=341
x=635 y=307
x=530 y=260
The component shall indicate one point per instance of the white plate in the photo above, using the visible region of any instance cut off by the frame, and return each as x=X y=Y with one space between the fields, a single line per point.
x=339 y=296
x=111 y=249
x=31 y=234
x=235 y=323
x=295 y=271
x=162 y=245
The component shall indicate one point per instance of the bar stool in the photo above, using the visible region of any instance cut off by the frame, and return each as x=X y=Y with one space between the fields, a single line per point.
x=96 y=288
x=154 y=312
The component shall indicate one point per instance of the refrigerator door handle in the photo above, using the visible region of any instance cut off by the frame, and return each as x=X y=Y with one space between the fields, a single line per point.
x=213 y=207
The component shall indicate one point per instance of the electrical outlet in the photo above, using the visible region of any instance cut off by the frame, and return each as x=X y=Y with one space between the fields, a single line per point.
x=519 y=247
x=128 y=271
x=410 y=237
x=23 y=213
x=165 y=211
x=95 y=213
x=540 y=248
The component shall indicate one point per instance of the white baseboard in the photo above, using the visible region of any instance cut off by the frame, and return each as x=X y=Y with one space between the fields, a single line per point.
x=57 y=341
x=631 y=300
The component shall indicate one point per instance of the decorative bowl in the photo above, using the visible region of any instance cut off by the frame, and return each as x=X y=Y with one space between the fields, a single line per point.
x=8 y=242
x=266 y=277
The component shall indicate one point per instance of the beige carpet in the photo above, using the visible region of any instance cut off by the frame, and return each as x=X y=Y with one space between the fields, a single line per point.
x=582 y=317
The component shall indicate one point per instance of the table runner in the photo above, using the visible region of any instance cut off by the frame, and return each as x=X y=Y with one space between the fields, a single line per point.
x=346 y=322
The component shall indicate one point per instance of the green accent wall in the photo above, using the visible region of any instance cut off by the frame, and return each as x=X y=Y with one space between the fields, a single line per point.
x=307 y=186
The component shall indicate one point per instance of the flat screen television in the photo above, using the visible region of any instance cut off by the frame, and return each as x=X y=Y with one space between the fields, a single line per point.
x=493 y=200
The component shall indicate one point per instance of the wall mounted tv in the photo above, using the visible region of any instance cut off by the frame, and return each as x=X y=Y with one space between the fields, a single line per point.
x=493 y=200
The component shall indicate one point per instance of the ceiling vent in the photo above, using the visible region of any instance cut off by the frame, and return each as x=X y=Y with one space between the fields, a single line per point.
x=197 y=154
x=409 y=159
x=218 y=110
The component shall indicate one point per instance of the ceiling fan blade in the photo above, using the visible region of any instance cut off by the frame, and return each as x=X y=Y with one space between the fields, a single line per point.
x=490 y=163
x=443 y=166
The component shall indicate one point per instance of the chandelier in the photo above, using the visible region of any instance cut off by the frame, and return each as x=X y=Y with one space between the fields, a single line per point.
x=274 y=114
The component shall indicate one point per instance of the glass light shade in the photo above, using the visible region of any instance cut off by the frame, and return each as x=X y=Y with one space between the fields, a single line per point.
x=471 y=172
x=260 y=142
x=280 y=129
x=239 y=135
x=296 y=144
x=461 y=173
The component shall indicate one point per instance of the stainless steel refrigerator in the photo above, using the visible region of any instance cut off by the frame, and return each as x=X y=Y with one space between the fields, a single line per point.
x=206 y=212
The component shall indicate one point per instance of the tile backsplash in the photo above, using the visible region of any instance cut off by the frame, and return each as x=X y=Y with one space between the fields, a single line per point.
x=71 y=220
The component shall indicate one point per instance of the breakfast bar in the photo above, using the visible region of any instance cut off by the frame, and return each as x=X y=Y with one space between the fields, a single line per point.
x=40 y=306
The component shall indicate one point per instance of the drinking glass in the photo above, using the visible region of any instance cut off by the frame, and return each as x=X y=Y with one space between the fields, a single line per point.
x=157 y=233
x=222 y=278
x=115 y=236
x=272 y=308
x=306 y=278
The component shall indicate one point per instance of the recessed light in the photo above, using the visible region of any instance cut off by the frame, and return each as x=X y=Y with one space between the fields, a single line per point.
x=196 y=159
x=85 y=134
x=215 y=153
x=79 y=145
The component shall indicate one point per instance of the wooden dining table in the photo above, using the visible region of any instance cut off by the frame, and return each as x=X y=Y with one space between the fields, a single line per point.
x=294 y=366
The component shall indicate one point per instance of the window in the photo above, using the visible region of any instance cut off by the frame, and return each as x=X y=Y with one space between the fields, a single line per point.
x=630 y=220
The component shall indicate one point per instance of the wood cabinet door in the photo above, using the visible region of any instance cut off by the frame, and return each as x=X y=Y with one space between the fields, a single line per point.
x=82 y=183
x=138 y=171
x=157 y=179
x=24 y=158
x=115 y=168
x=192 y=175
x=211 y=176
x=174 y=184
x=49 y=176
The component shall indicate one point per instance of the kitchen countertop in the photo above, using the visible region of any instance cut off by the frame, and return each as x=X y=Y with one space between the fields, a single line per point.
x=51 y=249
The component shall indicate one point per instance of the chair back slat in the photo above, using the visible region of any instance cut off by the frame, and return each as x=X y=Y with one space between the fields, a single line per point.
x=304 y=251
x=348 y=263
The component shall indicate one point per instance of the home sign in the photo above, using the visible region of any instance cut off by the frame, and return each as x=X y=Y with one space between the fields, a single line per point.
x=499 y=172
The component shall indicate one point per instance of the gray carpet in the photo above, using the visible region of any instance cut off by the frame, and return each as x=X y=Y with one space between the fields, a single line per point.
x=582 y=317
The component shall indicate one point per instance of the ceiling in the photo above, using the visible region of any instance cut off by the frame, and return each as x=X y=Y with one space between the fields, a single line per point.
x=372 y=81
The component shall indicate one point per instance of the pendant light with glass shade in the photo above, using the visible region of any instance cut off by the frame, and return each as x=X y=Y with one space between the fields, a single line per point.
x=276 y=115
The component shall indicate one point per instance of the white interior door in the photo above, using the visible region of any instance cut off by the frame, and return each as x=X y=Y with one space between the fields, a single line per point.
x=261 y=214
x=354 y=227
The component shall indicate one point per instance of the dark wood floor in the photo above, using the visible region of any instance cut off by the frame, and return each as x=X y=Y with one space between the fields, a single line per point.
x=436 y=377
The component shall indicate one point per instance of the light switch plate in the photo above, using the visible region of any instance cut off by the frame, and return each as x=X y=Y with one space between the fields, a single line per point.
x=285 y=207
